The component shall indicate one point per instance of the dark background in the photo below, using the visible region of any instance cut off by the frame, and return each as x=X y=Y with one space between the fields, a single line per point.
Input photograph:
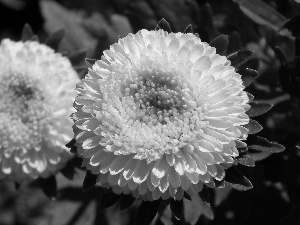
x=94 y=25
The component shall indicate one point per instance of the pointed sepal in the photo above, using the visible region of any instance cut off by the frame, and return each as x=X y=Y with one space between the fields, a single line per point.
x=258 y=108
x=235 y=179
x=262 y=144
x=239 y=58
x=220 y=43
x=248 y=75
x=253 y=127
x=188 y=29
x=164 y=25
x=27 y=33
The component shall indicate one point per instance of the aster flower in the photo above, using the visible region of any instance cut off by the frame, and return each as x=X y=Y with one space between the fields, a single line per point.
x=161 y=114
x=36 y=98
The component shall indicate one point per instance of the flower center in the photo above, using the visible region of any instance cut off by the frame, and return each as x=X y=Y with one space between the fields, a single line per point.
x=160 y=97
x=22 y=111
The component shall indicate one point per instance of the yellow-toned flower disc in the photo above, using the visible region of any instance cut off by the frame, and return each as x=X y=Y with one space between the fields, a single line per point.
x=36 y=99
x=159 y=115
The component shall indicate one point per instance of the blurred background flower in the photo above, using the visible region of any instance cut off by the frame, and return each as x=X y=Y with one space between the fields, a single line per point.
x=37 y=90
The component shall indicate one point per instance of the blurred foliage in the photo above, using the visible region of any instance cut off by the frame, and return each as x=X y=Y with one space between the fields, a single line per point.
x=270 y=28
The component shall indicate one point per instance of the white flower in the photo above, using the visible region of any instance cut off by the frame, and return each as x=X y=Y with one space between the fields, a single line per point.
x=36 y=98
x=159 y=115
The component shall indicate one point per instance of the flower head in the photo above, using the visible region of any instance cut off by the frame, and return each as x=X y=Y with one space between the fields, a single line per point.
x=161 y=114
x=36 y=98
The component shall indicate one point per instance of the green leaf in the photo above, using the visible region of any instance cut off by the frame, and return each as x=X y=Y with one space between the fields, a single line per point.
x=89 y=181
x=164 y=25
x=293 y=25
x=262 y=144
x=248 y=75
x=177 y=208
x=55 y=38
x=253 y=127
x=146 y=212
x=220 y=43
x=261 y=13
x=240 y=57
x=235 y=179
x=27 y=33
x=258 y=108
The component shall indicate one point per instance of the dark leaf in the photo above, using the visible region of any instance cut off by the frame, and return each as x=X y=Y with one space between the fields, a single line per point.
x=90 y=62
x=108 y=199
x=188 y=29
x=235 y=43
x=240 y=57
x=246 y=160
x=146 y=212
x=187 y=196
x=69 y=170
x=206 y=22
x=235 y=179
x=126 y=201
x=262 y=144
x=253 y=127
x=77 y=57
x=49 y=187
x=248 y=75
x=205 y=196
x=261 y=13
x=281 y=55
x=293 y=25
x=89 y=181
x=220 y=43
x=177 y=208
x=252 y=63
x=258 y=108
x=27 y=33
x=55 y=38
x=71 y=145
x=257 y=156
x=164 y=25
